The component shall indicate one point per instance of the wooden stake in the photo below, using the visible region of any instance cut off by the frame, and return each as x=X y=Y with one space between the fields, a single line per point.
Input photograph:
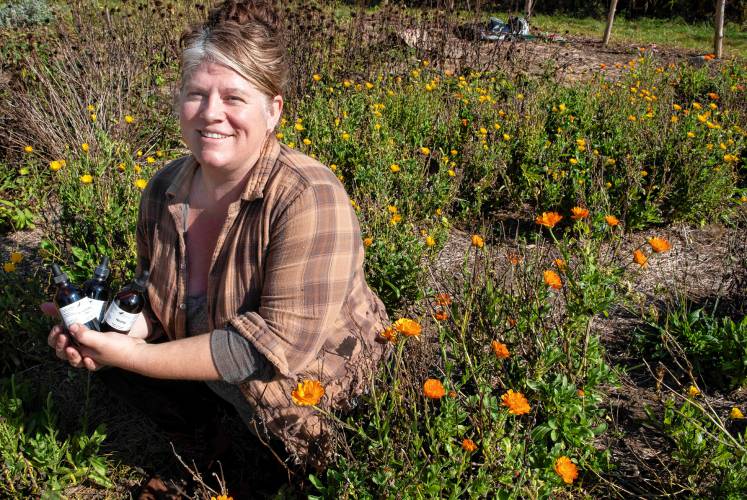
x=610 y=19
x=718 y=39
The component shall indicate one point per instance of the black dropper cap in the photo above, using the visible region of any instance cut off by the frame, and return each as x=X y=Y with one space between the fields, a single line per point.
x=102 y=271
x=141 y=281
x=59 y=276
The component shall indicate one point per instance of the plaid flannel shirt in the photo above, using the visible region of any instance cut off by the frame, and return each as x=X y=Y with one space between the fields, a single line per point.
x=287 y=274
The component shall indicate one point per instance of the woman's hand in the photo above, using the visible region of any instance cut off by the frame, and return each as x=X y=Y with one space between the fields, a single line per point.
x=61 y=343
x=97 y=349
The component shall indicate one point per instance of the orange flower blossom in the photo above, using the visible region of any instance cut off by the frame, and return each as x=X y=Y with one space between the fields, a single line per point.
x=433 y=389
x=579 y=213
x=308 y=393
x=659 y=245
x=407 y=327
x=566 y=469
x=552 y=279
x=516 y=402
x=548 y=219
x=500 y=350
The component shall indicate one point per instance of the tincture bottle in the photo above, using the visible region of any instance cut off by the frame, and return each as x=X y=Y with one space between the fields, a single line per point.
x=97 y=290
x=71 y=303
x=126 y=305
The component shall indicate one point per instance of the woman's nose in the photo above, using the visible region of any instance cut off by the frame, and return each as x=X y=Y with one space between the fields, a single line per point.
x=212 y=108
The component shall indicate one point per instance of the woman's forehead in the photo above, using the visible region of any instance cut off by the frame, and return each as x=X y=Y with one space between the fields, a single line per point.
x=213 y=74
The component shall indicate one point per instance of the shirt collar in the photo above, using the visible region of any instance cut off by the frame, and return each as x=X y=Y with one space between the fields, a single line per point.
x=178 y=190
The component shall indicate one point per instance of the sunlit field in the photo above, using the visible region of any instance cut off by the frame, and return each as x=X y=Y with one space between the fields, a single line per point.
x=563 y=259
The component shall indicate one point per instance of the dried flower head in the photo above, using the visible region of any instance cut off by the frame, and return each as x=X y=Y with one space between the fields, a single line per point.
x=433 y=389
x=443 y=299
x=566 y=469
x=516 y=402
x=308 y=393
x=389 y=334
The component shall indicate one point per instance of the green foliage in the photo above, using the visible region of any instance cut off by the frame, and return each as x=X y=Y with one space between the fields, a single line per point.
x=24 y=13
x=36 y=459
x=716 y=346
x=705 y=447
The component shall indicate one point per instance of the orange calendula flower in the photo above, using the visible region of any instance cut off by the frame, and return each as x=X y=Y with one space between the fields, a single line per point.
x=16 y=257
x=28 y=149
x=468 y=445
x=425 y=151
x=560 y=264
x=390 y=334
x=548 y=219
x=552 y=279
x=367 y=242
x=443 y=299
x=566 y=469
x=433 y=389
x=581 y=393
x=407 y=327
x=579 y=213
x=640 y=258
x=659 y=245
x=9 y=267
x=477 y=241
x=500 y=350
x=430 y=241
x=736 y=414
x=308 y=393
x=441 y=315
x=514 y=259
x=611 y=220
x=516 y=402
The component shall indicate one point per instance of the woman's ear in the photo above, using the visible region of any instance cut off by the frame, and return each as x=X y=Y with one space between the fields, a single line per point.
x=275 y=109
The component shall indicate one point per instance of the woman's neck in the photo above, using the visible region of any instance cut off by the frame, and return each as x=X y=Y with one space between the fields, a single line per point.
x=215 y=186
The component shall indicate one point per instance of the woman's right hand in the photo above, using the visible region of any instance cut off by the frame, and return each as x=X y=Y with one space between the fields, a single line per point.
x=61 y=343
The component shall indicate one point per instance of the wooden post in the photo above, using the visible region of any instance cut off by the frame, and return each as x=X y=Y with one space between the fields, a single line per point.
x=610 y=19
x=718 y=39
x=528 y=9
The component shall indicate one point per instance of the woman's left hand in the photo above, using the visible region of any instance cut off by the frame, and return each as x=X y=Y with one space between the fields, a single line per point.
x=97 y=349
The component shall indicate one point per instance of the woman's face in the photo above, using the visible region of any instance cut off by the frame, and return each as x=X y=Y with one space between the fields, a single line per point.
x=224 y=118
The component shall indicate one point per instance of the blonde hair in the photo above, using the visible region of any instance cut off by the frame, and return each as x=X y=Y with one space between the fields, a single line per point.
x=243 y=36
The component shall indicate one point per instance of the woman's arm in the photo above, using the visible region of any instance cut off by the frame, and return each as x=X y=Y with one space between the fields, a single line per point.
x=184 y=359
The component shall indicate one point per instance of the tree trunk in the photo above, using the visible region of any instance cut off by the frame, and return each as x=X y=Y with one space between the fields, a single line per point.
x=718 y=39
x=610 y=19
x=528 y=4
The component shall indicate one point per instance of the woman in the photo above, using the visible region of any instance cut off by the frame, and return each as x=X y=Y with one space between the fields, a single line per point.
x=254 y=250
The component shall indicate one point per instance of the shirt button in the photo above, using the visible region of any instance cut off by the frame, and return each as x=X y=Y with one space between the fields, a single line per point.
x=182 y=306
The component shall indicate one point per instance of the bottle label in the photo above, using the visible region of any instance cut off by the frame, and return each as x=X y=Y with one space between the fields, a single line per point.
x=77 y=312
x=98 y=308
x=119 y=319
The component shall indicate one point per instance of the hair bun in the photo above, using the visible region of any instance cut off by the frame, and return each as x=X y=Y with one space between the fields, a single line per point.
x=244 y=12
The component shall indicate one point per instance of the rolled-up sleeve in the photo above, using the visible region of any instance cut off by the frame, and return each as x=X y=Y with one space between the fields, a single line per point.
x=313 y=252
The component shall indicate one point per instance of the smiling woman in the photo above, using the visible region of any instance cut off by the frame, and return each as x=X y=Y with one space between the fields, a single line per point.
x=254 y=251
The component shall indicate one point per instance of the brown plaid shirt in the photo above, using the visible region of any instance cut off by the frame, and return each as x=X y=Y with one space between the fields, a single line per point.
x=287 y=274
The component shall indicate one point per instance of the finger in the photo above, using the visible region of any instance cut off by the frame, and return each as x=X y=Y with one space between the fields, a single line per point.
x=49 y=309
x=53 y=334
x=61 y=342
x=90 y=364
x=73 y=357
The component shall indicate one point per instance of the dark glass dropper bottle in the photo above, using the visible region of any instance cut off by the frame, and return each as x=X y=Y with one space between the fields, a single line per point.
x=71 y=303
x=126 y=305
x=97 y=290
